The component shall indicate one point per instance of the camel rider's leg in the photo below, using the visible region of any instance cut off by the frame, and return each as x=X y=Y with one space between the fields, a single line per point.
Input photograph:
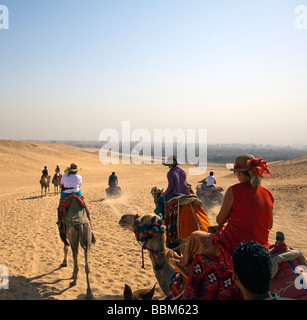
x=61 y=223
x=161 y=200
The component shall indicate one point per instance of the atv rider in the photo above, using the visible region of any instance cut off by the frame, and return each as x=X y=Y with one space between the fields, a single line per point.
x=208 y=182
x=113 y=181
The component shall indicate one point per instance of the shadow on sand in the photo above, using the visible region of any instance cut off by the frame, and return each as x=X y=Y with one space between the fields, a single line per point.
x=39 y=196
x=100 y=200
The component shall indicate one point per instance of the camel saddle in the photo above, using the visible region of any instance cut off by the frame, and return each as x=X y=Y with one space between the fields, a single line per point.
x=183 y=215
x=72 y=211
x=57 y=176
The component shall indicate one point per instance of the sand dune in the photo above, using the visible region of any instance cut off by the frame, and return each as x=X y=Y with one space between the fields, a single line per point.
x=32 y=249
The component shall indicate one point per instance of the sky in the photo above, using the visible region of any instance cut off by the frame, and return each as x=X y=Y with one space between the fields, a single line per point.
x=71 y=69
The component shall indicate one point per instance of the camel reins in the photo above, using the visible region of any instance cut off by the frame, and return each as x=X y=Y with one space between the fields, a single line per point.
x=151 y=254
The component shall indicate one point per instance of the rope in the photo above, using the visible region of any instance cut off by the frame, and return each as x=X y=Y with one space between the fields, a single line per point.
x=152 y=252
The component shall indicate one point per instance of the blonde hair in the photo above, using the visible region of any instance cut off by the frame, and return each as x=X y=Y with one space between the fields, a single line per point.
x=255 y=180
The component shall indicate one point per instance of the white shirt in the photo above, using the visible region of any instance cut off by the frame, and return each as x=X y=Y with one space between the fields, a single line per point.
x=73 y=181
x=210 y=180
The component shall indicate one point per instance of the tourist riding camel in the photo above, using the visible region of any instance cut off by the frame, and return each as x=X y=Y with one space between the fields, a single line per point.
x=56 y=180
x=74 y=223
x=177 y=184
x=46 y=173
x=71 y=182
x=247 y=209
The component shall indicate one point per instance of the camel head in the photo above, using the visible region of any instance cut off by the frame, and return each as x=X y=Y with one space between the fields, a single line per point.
x=126 y=222
x=149 y=229
x=142 y=294
x=156 y=193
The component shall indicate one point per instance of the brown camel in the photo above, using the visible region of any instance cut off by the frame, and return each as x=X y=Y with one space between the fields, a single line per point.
x=156 y=193
x=78 y=231
x=56 y=184
x=44 y=182
x=156 y=246
x=163 y=269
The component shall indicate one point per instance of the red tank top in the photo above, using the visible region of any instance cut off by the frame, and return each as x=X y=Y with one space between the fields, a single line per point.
x=250 y=216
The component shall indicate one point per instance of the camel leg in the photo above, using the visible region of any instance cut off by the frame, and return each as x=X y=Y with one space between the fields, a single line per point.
x=89 y=295
x=76 y=268
x=73 y=237
x=64 y=263
x=85 y=241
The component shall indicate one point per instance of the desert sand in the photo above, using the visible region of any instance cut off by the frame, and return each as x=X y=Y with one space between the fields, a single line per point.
x=30 y=245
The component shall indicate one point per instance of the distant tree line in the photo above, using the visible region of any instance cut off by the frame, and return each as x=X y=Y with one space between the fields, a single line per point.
x=216 y=153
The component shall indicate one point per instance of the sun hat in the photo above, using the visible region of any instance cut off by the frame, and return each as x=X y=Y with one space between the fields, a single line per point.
x=171 y=161
x=73 y=168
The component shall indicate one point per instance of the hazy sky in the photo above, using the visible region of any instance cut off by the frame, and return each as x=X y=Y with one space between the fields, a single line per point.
x=71 y=68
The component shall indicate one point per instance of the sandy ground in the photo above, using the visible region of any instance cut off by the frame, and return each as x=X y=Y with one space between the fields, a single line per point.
x=32 y=250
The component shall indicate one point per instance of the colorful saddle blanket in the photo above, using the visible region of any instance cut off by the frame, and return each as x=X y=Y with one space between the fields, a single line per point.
x=183 y=215
x=57 y=176
x=208 y=280
x=72 y=211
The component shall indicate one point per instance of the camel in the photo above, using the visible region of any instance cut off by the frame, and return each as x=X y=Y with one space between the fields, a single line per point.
x=164 y=268
x=156 y=193
x=156 y=246
x=56 y=184
x=44 y=182
x=78 y=232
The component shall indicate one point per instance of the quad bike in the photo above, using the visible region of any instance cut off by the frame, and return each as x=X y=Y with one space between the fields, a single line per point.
x=115 y=192
x=210 y=195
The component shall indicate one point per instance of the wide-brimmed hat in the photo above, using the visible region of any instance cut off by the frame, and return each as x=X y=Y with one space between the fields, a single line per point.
x=231 y=167
x=73 y=168
x=171 y=161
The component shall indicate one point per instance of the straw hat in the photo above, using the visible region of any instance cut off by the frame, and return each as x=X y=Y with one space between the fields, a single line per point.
x=73 y=168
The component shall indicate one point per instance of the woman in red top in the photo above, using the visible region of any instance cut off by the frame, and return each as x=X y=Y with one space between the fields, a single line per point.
x=246 y=210
x=247 y=207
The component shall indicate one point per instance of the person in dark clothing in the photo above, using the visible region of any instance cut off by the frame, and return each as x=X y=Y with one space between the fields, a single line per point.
x=45 y=171
x=113 y=181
